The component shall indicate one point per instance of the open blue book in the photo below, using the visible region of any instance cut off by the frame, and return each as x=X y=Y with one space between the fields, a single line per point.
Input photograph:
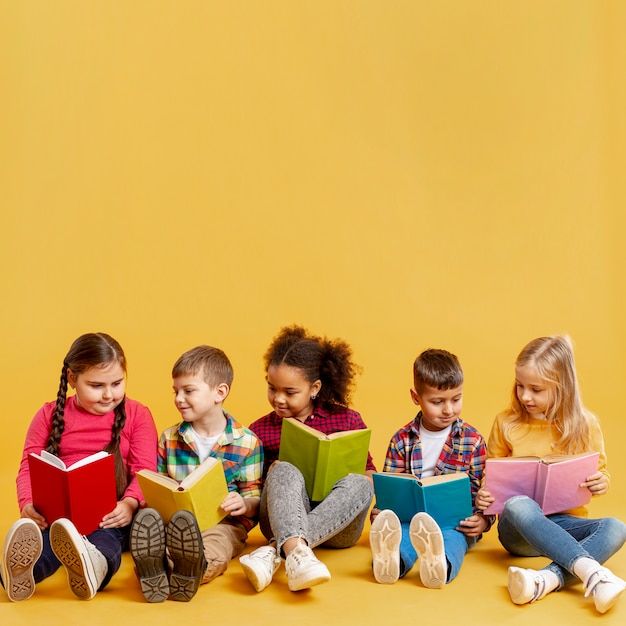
x=447 y=497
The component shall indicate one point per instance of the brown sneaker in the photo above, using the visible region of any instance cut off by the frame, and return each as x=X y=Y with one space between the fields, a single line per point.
x=147 y=547
x=184 y=544
x=22 y=548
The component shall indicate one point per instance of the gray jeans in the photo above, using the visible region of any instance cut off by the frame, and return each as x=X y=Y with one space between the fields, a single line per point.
x=336 y=522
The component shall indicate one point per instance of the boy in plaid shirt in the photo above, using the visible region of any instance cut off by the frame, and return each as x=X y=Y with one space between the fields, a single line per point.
x=201 y=379
x=436 y=442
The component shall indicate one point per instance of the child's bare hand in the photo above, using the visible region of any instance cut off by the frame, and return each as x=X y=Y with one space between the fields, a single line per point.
x=31 y=512
x=483 y=499
x=473 y=526
x=373 y=514
x=234 y=504
x=121 y=515
x=597 y=483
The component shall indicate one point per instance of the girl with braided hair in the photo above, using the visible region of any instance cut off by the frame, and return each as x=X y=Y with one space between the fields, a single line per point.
x=97 y=417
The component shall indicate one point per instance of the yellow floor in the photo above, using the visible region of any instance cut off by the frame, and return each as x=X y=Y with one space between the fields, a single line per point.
x=352 y=597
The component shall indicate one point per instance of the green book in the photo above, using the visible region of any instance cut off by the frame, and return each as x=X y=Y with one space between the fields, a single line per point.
x=323 y=459
x=447 y=497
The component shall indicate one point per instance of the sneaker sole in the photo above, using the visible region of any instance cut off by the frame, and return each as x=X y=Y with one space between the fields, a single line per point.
x=184 y=544
x=385 y=546
x=428 y=542
x=66 y=544
x=147 y=547
x=318 y=579
x=21 y=550
x=251 y=574
x=519 y=590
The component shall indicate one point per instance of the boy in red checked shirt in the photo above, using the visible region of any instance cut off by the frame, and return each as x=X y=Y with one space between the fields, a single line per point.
x=436 y=442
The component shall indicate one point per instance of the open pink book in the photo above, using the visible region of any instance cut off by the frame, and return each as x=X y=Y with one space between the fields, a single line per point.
x=551 y=481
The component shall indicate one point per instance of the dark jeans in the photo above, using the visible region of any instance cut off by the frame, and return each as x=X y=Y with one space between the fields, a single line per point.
x=110 y=541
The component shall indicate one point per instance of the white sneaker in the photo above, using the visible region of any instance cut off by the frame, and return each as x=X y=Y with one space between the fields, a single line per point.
x=385 y=536
x=85 y=564
x=304 y=569
x=526 y=585
x=22 y=548
x=605 y=587
x=427 y=540
x=260 y=565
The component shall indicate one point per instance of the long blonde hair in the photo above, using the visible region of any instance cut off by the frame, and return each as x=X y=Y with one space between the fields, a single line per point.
x=553 y=358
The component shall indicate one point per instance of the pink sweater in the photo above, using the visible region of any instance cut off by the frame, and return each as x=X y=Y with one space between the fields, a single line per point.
x=86 y=434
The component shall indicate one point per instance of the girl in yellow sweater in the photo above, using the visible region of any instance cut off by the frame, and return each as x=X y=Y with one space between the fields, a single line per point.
x=547 y=416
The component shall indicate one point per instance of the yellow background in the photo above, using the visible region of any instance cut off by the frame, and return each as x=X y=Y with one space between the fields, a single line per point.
x=403 y=175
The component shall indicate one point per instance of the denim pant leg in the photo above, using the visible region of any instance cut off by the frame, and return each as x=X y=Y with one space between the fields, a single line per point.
x=408 y=555
x=455 y=546
x=111 y=542
x=524 y=530
x=337 y=521
x=47 y=563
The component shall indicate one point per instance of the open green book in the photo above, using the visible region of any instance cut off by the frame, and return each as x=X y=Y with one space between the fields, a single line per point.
x=323 y=459
x=446 y=497
x=201 y=492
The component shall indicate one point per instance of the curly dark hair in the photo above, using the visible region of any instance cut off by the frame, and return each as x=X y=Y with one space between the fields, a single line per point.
x=319 y=358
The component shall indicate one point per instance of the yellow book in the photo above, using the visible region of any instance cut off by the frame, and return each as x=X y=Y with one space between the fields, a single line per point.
x=201 y=492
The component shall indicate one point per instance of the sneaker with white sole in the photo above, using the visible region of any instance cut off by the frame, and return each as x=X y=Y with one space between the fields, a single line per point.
x=85 y=565
x=147 y=547
x=304 y=569
x=427 y=540
x=184 y=544
x=22 y=547
x=260 y=566
x=385 y=537
x=526 y=585
x=605 y=588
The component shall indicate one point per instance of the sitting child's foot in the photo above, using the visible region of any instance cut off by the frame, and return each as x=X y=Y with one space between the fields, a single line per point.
x=427 y=540
x=85 y=564
x=304 y=569
x=385 y=536
x=260 y=565
x=605 y=587
x=184 y=544
x=147 y=547
x=22 y=548
x=527 y=585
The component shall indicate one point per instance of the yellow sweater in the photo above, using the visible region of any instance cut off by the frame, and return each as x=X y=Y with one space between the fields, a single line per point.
x=537 y=437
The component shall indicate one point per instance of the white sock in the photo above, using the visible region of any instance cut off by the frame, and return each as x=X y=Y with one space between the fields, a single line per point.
x=584 y=566
x=552 y=580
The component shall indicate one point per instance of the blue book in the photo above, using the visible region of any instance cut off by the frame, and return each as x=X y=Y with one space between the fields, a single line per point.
x=447 y=497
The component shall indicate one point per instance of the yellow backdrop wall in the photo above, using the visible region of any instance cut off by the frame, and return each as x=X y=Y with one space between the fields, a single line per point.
x=400 y=174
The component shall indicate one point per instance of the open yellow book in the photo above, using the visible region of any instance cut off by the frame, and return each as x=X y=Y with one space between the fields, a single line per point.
x=323 y=459
x=201 y=492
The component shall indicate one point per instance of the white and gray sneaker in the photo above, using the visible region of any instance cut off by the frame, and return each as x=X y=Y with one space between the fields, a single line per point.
x=385 y=537
x=605 y=588
x=304 y=569
x=22 y=548
x=260 y=565
x=85 y=565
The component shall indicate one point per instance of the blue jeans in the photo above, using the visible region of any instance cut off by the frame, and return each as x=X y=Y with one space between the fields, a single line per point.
x=336 y=522
x=524 y=530
x=455 y=546
x=110 y=541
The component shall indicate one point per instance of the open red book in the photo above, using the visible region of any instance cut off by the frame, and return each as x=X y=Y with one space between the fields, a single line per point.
x=84 y=492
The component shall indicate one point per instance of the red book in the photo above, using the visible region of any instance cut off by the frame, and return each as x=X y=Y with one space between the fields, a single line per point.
x=83 y=492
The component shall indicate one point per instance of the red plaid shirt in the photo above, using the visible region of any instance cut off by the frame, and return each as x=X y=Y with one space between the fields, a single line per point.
x=327 y=418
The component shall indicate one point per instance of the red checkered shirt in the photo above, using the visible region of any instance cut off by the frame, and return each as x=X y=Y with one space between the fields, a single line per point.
x=327 y=418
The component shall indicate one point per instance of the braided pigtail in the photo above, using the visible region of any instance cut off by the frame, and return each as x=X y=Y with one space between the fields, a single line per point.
x=121 y=475
x=58 y=424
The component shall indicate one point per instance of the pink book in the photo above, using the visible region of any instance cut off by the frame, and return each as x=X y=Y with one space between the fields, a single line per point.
x=552 y=481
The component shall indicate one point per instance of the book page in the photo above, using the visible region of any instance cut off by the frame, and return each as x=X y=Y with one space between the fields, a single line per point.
x=155 y=477
x=88 y=459
x=193 y=477
x=51 y=459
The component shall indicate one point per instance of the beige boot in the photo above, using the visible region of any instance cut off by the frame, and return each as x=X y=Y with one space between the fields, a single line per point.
x=85 y=564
